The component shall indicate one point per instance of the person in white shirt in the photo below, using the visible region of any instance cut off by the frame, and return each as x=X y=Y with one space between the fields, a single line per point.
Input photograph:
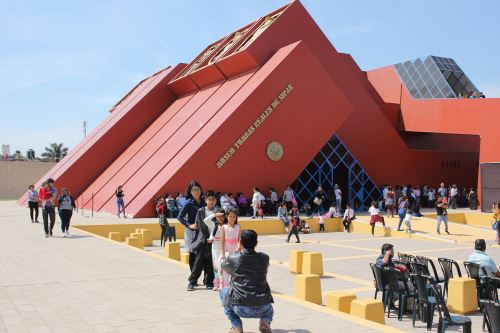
x=430 y=198
x=256 y=201
x=224 y=201
x=375 y=217
x=273 y=199
x=288 y=196
x=454 y=196
x=348 y=217
x=407 y=220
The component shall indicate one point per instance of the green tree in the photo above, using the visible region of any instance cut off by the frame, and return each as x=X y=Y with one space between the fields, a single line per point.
x=55 y=152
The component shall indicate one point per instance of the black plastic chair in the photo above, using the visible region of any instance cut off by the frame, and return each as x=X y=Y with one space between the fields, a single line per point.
x=445 y=319
x=420 y=268
x=489 y=287
x=424 y=302
x=447 y=268
x=492 y=315
x=379 y=280
x=394 y=277
x=434 y=274
x=476 y=271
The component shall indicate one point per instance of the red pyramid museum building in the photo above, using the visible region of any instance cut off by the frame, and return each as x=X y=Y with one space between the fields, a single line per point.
x=274 y=104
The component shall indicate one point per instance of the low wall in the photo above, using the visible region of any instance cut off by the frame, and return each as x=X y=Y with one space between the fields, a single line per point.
x=262 y=227
x=16 y=176
x=475 y=219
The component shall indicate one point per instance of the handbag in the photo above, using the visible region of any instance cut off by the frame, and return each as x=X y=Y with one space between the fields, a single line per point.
x=317 y=201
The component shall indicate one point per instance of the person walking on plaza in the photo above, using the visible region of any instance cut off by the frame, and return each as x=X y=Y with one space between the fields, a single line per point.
x=293 y=227
x=375 y=217
x=442 y=215
x=256 y=201
x=403 y=206
x=161 y=209
x=230 y=241
x=200 y=247
x=33 y=203
x=66 y=206
x=47 y=195
x=187 y=216
x=248 y=295
x=119 y=200
x=348 y=217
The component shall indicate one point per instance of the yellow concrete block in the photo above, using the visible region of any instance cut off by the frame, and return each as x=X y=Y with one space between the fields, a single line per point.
x=462 y=295
x=295 y=262
x=308 y=287
x=312 y=263
x=185 y=258
x=173 y=250
x=369 y=309
x=115 y=235
x=147 y=236
x=339 y=301
x=134 y=241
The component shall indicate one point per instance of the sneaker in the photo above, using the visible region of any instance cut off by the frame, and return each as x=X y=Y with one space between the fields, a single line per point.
x=190 y=287
x=46 y=235
x=67 y=234
x=209 y=287
x=297 y=242
x=264 y=326
x=51 y=234
x=439 y=232
x=253 y=217
x=215 y=288
x=447 y=232
x=37 y=221
x=64 y=235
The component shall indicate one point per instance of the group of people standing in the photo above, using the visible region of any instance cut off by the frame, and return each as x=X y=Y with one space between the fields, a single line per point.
x=217 y=247
x=46 y=198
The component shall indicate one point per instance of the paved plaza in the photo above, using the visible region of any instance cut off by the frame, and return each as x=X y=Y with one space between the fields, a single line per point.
x=89 y=284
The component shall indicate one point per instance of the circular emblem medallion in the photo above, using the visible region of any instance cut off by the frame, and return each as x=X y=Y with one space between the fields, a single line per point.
x=274 y=151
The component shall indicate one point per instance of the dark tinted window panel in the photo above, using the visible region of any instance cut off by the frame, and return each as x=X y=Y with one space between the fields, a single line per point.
x=446 y=74
x=464 y=80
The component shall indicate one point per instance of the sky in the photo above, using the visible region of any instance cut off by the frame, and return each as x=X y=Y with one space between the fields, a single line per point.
x=65 y=62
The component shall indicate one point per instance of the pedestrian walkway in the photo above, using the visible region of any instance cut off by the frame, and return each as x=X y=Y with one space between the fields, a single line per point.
x=87 y=284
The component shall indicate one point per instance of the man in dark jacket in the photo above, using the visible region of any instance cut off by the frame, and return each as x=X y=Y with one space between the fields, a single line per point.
x=248 y=295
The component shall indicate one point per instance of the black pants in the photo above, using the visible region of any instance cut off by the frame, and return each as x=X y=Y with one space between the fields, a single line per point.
x=48 y=212
x=65 y=215
x=33 y=208
x=347 y=223
x=293 y=231
x=373 y=226
x=202 y=262
x=322 y=227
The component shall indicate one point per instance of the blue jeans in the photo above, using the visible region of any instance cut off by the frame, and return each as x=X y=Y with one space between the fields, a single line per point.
x=339 y=203
x=235 y=312
x=121 y=204
x=442 y=218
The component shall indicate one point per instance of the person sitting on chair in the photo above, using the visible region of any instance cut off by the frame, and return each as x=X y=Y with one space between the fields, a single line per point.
x=481 y=258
